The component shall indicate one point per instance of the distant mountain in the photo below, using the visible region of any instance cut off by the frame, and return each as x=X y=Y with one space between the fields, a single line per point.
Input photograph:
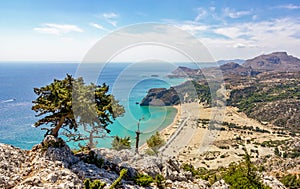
x=239 y=61
x=235 y=68
x=277 y=61
x=182 y=71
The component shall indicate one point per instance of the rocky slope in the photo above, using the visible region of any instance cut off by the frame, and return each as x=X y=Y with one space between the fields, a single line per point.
x=51 y=164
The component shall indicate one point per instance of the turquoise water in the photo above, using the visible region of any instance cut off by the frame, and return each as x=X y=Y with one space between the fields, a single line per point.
x=128 y=82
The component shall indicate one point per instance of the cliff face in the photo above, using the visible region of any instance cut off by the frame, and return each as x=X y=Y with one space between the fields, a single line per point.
x=161 y=97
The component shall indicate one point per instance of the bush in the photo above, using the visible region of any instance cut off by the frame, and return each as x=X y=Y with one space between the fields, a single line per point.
x=143 y=180
x=118 y=180
x=92 y=159
x=159 y=180
x=243 y=175
x=190 y=168
x=121 y=143
x=96 y=184
x=150 y=152
x=291 y=181
x=155 y=142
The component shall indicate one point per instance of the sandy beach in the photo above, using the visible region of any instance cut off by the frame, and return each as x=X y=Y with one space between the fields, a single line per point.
x=189 y=141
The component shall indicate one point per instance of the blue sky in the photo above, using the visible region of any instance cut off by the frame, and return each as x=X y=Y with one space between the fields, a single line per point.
x=64 y=30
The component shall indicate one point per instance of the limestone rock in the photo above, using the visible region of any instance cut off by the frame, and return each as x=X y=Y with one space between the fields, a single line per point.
x=272 y=182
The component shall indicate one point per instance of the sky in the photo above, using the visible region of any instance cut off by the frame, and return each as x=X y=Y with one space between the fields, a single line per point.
x=65 y=30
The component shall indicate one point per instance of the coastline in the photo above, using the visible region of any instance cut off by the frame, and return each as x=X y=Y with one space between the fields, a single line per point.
x=167 y=132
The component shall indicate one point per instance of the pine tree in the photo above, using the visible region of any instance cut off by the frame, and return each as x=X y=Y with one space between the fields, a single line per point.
x=69 y=103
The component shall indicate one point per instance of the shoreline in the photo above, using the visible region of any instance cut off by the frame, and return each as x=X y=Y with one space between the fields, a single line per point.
x=167 y=131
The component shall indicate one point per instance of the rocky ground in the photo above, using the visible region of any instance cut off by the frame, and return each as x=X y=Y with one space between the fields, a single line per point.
x=52 y=164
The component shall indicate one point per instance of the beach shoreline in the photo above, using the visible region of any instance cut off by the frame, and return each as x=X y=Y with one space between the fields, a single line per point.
x=167 y=131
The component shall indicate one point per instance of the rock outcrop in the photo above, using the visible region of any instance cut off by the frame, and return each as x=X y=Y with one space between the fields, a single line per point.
x=161 y=97
x=36 y=168
x=51 y=164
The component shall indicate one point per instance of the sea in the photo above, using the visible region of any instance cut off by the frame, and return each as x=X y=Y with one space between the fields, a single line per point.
x=128 y=82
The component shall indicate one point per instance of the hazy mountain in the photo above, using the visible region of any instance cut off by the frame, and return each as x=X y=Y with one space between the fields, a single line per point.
x=277 y=61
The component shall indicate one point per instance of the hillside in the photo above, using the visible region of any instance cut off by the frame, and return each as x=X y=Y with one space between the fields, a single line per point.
x=277 y=61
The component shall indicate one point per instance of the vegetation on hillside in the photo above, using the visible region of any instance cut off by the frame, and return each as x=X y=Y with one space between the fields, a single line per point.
x=241 y=175
x=271 y=98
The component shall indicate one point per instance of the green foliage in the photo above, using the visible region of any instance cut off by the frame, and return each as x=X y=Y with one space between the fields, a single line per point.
x=121 y=143
x=200 y=172
x=159 y=180
x=93 y=159
x=277 y=152
x=69 y=103
x=291 y=181
x=81 y=149
x=150 y=152
x=190 y=168
x=143 y=180
x=155 y=142
x=118 y=180
x=243 y=175
x=55 y=144
x=96 y=184
x=254 y=98
x=55 y=102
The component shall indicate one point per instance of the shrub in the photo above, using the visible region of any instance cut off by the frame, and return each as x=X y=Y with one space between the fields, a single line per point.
x=118 y=180
x=159 y=180
x=143 y=180
x=155 y=142
x=291 y=181
x=150 y=152
x=243 y=175
x=121 y=143
x=92 y=159
x=96 y=184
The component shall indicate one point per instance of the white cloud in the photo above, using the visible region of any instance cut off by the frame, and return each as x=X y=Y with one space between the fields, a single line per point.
x=239 y=45
x=235 y=14
x=98 y=26
x=193 y=28
x=201 y=14
x=289 y=6
x=57 y=29
x=111 y=18
x=254 y=17
x=248 y=39
x=113 y=22
x=110 y=15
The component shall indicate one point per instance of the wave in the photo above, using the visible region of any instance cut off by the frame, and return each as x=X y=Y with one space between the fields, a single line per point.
x=8 y=100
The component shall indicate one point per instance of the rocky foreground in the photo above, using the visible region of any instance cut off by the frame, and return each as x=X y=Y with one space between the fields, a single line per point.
x=52 y=164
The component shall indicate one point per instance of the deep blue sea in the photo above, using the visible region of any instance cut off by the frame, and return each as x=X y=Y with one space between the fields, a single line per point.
x=129 y=83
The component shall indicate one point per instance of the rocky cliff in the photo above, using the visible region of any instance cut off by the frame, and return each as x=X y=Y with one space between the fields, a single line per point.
x=52 y=164
x=161 y=97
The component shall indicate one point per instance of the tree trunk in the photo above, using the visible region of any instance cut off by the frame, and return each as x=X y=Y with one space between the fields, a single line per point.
x=55 y=130
x=91 y=140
